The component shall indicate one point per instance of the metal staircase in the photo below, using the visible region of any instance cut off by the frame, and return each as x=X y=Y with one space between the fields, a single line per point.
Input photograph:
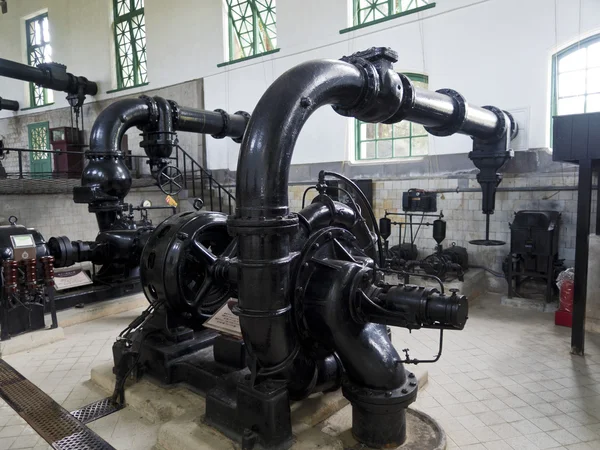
x=192 y=181
x=197 y=182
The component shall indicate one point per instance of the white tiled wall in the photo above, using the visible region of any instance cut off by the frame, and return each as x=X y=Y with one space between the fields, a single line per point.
x=462 y=211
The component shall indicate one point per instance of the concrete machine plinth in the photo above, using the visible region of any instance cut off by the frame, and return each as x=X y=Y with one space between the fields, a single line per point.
x=320 y=421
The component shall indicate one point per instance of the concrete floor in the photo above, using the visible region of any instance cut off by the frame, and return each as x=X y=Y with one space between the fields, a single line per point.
x=506 y=382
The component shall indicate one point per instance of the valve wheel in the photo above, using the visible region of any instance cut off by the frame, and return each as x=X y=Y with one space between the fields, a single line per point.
x=203 y=248
x=170 y=180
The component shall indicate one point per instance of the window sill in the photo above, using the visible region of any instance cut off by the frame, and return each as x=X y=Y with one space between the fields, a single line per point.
x=385 y=19
x=127 y=88
x=36 y=107
x=366 y=162
x=227 y=63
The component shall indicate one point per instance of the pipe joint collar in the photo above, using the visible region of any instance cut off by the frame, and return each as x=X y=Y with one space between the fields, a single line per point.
x=226 y=123
x=246 y=117
x=381 y=400
x=382 y=92
x=460 y=115
x=263 y=226
x=153 y=115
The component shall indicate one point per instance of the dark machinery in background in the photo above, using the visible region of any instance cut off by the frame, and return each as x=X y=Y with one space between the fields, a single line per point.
x=312 y=307
x=404 y=256
x=9 y=105
x=106 y=181
x=533 y=250
x=27 y=282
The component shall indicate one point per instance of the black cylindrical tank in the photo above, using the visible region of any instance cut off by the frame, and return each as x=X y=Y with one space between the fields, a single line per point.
x=385 y=227
x=439 y=230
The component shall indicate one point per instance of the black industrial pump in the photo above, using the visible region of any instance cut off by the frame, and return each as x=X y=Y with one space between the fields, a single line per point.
x=312 y=307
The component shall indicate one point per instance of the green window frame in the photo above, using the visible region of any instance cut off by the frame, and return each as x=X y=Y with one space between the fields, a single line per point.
x=252 y=28
x=130 y=43
x=39 y=50
x=377 y=141
x=371 y=12
x=576 y=78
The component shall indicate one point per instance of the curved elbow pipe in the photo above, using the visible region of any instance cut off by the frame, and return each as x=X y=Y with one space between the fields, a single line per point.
x=262 y=218
x=266 y=152
x=112 y=123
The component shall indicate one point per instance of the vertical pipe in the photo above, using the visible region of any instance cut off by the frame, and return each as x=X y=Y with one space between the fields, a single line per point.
x=584 y=203
x=20 y=165
x=193 y=183
x=210 y=192
x=598 y=208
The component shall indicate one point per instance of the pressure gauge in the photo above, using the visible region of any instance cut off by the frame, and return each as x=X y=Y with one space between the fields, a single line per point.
x=146 y=204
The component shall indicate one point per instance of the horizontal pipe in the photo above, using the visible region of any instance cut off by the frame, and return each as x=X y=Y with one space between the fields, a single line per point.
x=10 y=105
x=446 y=112
x=48 y=75
x=510 y=189
x=211 y=122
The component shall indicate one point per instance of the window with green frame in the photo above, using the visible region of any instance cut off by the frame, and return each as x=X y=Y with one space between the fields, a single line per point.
x=252 y=27
x=367 y=11
x=576 y=78
x=130 y=43
x=400 y=140
x=39 y=50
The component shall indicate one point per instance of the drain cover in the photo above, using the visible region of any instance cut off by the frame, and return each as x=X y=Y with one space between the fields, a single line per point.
x=96 y=410
x=50 y=420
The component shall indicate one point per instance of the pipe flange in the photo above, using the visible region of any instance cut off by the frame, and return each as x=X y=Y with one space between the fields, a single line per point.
x=175 y=113
x=382 y=400
x=514 y=126
x=153 y=110
x=225 y=130
x=262 y=226
x=500 y=130
x=370 y=92
x=246 y=117
x=460 y=115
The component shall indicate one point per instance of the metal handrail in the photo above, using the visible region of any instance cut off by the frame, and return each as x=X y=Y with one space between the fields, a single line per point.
x=192 y=170
x=205 y=176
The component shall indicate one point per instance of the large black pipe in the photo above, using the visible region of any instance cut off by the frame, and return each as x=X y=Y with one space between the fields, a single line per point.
x=446 y=112
x=106 y=179
x=262 y=217
x=49 y=75
x=217 y=123
x=10 y=105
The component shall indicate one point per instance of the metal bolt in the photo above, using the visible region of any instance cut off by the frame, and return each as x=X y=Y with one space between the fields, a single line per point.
x=411 y=375
x=404 y=391
x=413 y=384
x=305 y=102
x=388 y=394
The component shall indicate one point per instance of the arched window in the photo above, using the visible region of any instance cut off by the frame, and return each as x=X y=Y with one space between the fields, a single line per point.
x=576 y=78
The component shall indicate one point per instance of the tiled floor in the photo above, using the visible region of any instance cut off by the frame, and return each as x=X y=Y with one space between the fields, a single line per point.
x=506 y=382
x=62 y=370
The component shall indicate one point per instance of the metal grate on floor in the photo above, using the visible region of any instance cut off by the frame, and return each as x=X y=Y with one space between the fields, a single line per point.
x=96 y=410
x=50 y=420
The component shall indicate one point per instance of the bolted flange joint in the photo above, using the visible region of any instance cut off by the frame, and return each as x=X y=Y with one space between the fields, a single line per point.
x=382 y=92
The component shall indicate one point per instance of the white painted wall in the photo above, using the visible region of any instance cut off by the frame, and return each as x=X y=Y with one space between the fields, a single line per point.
x=492 y=51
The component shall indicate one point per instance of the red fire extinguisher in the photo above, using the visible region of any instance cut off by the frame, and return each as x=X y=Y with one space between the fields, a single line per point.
x=563 y=315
